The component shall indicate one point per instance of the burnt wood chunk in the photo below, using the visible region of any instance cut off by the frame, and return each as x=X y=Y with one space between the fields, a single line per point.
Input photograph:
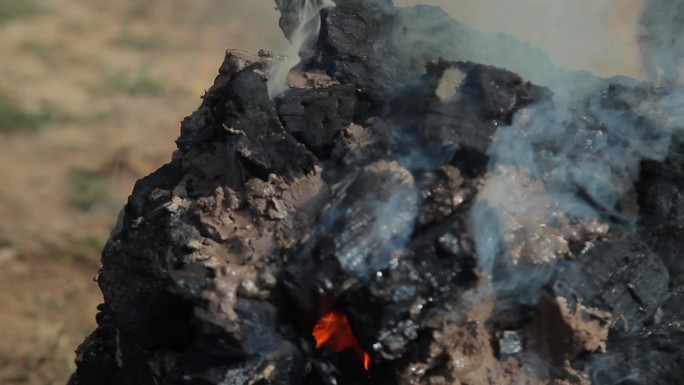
x=620 y=274
x=402 y=215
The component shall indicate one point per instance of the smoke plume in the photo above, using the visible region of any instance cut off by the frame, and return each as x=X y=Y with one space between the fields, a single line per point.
x=306 y=30
x=660 y=37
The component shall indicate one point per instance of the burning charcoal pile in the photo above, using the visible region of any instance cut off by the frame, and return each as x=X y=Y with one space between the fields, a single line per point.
x=380 y=208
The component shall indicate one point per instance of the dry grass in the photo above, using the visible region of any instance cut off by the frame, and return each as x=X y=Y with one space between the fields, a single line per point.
x=11 y=10
x=90 y=100
x=51 y=312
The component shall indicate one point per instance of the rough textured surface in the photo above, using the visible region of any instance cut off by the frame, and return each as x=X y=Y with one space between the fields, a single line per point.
x=620 y=274
x=355 y=192
x=661 y=195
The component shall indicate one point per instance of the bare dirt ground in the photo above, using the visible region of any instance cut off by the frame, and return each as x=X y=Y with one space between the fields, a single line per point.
x=91 y=96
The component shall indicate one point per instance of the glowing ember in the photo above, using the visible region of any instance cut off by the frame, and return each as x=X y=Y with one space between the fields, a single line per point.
x=333 y=331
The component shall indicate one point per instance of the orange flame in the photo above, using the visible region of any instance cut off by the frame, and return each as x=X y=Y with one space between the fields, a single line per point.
x=333 y=331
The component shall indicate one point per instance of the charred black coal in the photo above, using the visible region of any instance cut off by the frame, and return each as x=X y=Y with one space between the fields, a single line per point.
x=661 y=195
x=469 y=226
x=316 y=116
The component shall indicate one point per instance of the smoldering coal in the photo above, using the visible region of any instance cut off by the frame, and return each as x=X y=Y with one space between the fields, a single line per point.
x=586 y=154
x=434 y=209
x=371 y=214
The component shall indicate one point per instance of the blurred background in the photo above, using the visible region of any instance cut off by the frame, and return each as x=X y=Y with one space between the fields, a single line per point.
x=92 y=93
x=91 y=98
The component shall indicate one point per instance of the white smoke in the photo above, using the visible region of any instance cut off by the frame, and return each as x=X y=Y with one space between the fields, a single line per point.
x=308 y=27
x=660 y=35
x=586 y=35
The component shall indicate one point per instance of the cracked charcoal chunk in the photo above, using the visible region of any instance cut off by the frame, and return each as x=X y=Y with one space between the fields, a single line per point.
x=96 y=357
x=671 y=311
x=392 y=308
x=389 y=311
x=654 y=356
x=461 y=128
x=355 y=44
x=369 y=216
x=351 y=42
x=661 y=198
x=252 y=129
x=620 y=274
x=316 y=116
